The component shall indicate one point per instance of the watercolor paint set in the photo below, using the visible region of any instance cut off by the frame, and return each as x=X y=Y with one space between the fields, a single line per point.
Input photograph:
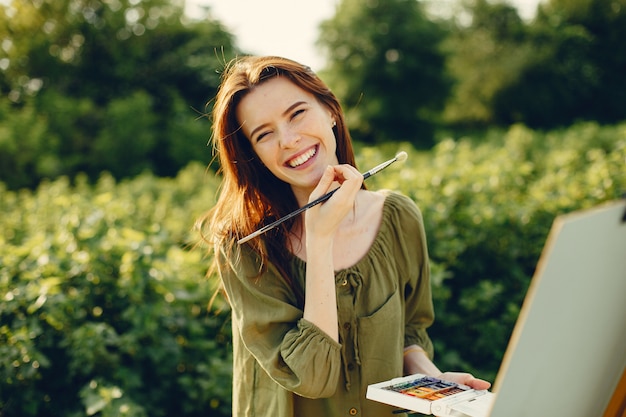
x=428 y=395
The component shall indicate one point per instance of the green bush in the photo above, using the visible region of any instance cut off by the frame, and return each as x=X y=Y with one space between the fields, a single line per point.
x=104 y=305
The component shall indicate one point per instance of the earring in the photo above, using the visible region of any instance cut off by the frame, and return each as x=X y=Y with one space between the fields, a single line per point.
x=334 y=124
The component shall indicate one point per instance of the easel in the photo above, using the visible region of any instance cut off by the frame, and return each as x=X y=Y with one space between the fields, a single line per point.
x=617 y=404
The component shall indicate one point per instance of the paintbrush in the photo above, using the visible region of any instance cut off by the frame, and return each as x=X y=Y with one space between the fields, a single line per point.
x=400 y=157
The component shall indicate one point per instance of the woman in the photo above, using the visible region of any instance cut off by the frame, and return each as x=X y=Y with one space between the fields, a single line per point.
x=335 y=299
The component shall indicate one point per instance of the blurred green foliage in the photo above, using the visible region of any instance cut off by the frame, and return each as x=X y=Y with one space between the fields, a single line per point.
x=98 y=85
x=104 y=307
x=387 y=66
x=563 y=66
x=407 y=69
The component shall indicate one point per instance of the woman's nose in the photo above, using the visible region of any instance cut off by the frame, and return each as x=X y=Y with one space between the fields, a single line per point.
x=289 y=139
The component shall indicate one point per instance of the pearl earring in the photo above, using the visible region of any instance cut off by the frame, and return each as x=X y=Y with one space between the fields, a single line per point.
x=334 y=124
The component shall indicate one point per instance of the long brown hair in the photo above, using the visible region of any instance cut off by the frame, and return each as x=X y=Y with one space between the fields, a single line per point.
x=250 y=195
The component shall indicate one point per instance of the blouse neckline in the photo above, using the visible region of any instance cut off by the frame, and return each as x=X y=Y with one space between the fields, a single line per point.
x=301 y=263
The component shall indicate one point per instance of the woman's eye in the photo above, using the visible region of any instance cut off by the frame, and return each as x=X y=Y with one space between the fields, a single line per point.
x=297 y=113
x=260 y=136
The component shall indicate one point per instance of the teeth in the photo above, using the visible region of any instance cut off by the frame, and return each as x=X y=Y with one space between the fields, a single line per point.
x=302 y=158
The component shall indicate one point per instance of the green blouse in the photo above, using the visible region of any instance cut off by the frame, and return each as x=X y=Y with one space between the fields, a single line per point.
x=284 y=366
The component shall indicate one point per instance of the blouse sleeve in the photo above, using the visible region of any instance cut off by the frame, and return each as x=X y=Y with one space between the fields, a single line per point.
x=293 y=352
x=419 y=310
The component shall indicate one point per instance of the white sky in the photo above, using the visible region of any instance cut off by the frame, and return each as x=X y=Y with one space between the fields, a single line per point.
x=287 y=28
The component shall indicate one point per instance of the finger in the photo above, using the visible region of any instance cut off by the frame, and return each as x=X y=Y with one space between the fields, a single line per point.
x=346 y=181
x=478 y=384
x=347 y=172
x=349 y=178
x=466 y=379
x=334 y=177
x=325 y=184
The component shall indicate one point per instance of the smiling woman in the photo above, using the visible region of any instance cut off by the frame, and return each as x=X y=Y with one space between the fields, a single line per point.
x=291 y=133
x=329 y=301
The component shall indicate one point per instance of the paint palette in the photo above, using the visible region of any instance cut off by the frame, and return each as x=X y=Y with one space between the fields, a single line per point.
x=428 y=395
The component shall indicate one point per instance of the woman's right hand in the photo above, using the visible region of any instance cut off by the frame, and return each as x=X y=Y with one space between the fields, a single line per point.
x=324 y=219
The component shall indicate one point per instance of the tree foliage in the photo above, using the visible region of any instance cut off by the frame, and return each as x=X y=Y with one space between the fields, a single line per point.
x=562 y=67
x=576 y=72
x=116 y=85
x=484 y=57
x=386 y=66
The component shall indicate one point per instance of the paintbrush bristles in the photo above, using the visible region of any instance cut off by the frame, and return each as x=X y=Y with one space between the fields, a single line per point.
x=401 y=156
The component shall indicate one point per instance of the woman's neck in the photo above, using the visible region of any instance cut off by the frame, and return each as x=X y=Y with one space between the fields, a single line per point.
x=355 y=235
